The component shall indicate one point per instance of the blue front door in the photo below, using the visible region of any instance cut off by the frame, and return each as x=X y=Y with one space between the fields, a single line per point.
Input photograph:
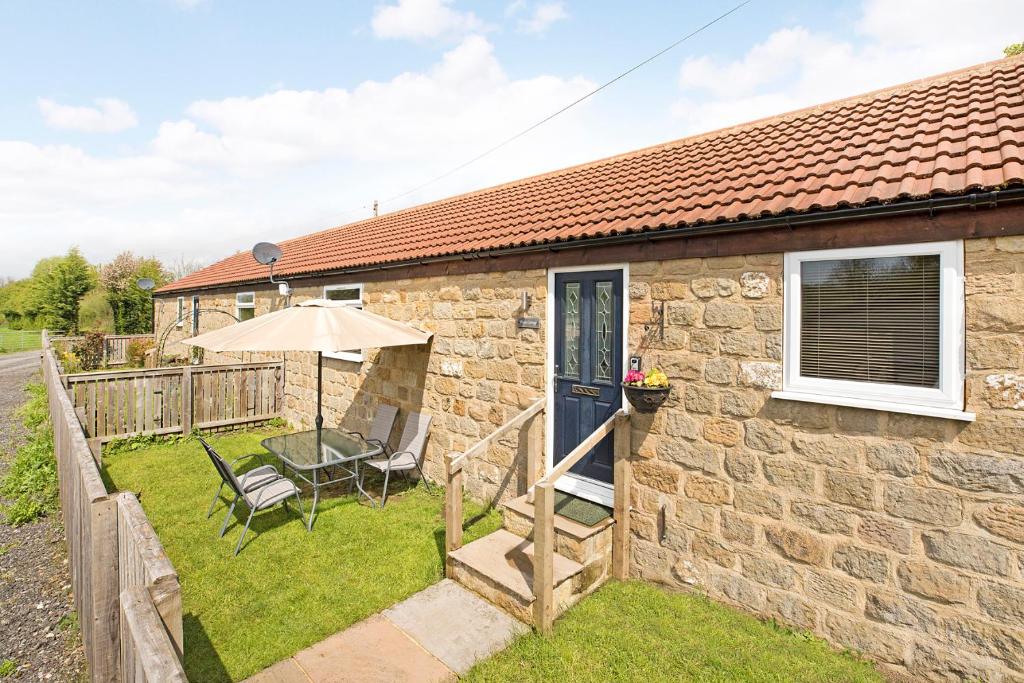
x=588 y=365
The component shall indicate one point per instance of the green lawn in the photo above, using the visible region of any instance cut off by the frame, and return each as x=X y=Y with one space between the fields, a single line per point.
x=287 y=589
x=638 y=632
x=19 y=340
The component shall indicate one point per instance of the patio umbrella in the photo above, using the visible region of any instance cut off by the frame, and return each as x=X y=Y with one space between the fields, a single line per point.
x=319 y=325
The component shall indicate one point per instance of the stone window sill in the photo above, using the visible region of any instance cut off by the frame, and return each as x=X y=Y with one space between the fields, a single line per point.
x=891 y=407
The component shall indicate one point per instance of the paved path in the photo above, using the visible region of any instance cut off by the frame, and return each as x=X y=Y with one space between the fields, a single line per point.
x=37 y=631
x=436 y=635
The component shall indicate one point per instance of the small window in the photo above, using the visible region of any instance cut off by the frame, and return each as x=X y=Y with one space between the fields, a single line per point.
x=195 y=315
x=877 y=327
x=181 y=311
x=353 y=296
x=245 y=306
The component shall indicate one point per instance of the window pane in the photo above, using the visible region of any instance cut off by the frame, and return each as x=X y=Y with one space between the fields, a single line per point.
x=346 y=294
x=245 y=298
x=604 y=320
x=871 y=320
x=572 y=329
x=246 y=314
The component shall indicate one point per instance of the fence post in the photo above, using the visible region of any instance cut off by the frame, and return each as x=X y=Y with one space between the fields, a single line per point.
x=544 y=557
x=280 y=389
x=104 y=589
x=452 y=507
x=623 y=477
x=186 y=400
x=534 y=448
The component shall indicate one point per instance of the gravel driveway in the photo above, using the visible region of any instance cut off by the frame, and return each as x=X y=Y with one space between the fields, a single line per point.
x=37 y=629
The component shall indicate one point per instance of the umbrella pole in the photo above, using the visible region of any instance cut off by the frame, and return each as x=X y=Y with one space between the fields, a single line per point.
x=319 y=398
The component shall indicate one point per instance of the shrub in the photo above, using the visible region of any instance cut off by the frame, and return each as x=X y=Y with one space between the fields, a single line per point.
x=90 y=350
x=31 y=482
x=137 y=350
x=70 y=363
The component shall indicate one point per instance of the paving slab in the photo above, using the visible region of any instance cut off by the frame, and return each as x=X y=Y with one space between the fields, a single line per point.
x=372 y=651
x=286 y=671
x=455 y=625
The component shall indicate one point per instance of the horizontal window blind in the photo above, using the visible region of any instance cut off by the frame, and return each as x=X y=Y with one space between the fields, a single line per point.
x=871 y=320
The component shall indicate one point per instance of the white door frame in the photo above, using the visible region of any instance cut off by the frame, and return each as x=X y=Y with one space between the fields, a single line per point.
x=584 y=487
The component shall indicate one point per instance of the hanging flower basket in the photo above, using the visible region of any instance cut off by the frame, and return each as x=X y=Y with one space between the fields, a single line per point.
x=646 y=392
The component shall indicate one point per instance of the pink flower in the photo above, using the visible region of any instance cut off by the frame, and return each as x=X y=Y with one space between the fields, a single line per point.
x=634 y=377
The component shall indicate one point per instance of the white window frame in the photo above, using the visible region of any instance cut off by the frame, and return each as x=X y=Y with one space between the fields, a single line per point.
x=181 y=311
x=945 y=401
x=352 y=356
x=239 y=305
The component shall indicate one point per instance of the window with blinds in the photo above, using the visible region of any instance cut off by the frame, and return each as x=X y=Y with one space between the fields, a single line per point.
x=877 y=327
x=872 y=320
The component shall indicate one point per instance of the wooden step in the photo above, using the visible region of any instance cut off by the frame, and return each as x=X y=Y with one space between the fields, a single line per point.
x=499 y=567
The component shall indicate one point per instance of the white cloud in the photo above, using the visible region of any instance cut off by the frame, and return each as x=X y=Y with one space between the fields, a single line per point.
x=464 y=102
x=422 y=19
x=108 y=116
x=541 y=16
x=233 y=171
x=796 y=67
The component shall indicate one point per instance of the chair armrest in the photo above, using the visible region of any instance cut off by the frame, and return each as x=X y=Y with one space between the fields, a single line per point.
x=238 y=459
x=395 y=455
x=376 y=442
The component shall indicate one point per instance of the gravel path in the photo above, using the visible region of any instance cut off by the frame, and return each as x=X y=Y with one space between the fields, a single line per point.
x=38 y=631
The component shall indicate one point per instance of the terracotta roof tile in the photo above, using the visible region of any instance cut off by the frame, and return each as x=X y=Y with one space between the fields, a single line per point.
x=945 y=135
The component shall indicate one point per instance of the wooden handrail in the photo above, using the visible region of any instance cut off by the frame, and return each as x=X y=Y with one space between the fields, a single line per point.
x=460 y=459
x=569 y=461
x=544 y=540
x=454 y=462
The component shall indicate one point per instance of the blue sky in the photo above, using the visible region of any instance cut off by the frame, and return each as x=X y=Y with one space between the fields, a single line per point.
x=190 y=129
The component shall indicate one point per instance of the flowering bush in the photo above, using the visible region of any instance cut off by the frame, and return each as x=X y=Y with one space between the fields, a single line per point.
x=654 y=379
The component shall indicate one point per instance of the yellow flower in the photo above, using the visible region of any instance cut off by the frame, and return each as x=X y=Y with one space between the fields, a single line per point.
x=656 y=379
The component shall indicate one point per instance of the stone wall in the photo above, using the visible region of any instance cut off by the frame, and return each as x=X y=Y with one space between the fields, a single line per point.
x=478 y=371
x=896 y=535
x=899 y=536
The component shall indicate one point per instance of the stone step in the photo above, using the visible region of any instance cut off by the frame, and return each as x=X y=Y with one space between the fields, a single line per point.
x=584 y=544
x=499 y=567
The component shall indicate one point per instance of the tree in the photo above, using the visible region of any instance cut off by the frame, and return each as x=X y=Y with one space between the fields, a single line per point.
x=58 y=285
x=183 y=267
x=1014 y=49
x=132 y=306
x=17 y=308
x=94 y=314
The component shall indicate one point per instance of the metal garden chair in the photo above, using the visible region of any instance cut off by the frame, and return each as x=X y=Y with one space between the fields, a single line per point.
x=251 y=480
x=380 y=430
x=278 y=491
x=407 y=456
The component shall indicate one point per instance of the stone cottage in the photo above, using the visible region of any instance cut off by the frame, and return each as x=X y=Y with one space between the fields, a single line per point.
x=837 y=297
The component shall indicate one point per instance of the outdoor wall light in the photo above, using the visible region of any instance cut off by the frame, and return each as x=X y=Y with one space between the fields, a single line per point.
x=524 y=300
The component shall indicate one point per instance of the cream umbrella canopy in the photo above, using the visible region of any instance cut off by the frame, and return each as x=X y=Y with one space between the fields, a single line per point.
x=319 y=325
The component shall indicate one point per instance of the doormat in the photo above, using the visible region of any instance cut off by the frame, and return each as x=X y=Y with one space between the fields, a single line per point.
x=579 y=510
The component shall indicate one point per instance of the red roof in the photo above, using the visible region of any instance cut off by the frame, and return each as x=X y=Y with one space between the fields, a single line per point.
x=946 y=135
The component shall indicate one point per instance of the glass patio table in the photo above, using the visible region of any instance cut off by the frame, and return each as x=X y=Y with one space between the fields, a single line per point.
x=339 y=450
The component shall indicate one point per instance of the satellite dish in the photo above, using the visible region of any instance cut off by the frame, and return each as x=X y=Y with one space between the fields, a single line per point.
x=266 y=253
x=145 y=283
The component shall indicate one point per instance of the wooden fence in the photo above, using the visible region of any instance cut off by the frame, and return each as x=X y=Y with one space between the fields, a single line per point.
x=126 y=592
x=115 y=346
x=174 y=400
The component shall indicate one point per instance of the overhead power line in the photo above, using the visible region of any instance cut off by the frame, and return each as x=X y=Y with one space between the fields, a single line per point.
x=555 y=114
